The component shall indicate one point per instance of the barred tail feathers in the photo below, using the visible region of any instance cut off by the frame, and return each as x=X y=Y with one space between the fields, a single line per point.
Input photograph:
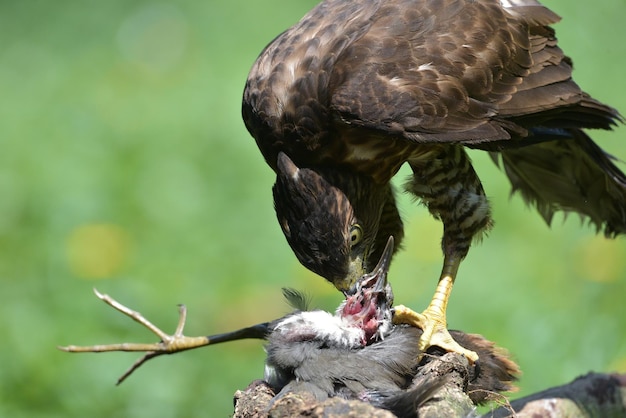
x=571 y=174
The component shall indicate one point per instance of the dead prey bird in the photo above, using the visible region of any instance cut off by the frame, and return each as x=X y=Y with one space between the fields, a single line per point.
x=356 y=353
x=359 y=352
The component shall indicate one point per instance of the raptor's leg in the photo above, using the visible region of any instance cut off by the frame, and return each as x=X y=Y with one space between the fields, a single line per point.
x=447 y=183
x=433 y=320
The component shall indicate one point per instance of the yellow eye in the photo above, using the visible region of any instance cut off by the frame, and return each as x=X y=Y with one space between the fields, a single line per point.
x=356 y=234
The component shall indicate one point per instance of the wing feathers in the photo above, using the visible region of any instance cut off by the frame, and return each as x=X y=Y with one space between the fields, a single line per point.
x=460 y=67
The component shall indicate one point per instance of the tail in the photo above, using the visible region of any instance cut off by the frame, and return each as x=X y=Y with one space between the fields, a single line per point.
x=494 y=372
x=564 y=170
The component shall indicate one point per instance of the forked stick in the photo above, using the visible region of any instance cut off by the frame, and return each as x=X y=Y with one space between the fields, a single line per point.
x=169 y=344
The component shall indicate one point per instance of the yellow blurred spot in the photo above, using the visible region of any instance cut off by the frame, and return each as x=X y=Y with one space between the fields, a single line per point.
x=96 y=251
x=618 y=365
x=600 y=259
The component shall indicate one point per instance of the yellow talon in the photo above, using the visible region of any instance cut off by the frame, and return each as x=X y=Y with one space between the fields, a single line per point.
x=433 y=320
x=435 y=332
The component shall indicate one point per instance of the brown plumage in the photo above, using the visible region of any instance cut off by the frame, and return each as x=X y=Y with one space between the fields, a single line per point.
x=338 y=102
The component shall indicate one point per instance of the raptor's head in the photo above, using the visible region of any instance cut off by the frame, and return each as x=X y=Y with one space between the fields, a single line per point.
x=330 y=219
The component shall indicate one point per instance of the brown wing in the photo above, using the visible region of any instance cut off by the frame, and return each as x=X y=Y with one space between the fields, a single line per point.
x=285 y=101
x=459 y=71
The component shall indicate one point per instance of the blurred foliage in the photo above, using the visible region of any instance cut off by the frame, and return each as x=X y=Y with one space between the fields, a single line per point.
x=126 y=167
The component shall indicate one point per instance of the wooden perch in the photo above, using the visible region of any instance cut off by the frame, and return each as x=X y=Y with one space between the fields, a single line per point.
x=590 y=396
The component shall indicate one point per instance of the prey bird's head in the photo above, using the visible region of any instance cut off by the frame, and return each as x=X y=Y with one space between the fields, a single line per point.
x=362 y=318
x=330 y=219
x=369 y=308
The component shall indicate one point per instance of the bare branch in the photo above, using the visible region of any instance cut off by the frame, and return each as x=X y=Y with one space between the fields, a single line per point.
x=168 y=344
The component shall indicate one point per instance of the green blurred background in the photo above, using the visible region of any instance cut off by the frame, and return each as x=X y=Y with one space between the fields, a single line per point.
x=125 y=166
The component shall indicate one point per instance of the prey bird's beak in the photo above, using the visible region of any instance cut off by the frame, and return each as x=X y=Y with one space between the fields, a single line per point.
x=369 y=308
x=382 y=268
x=376 y=280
